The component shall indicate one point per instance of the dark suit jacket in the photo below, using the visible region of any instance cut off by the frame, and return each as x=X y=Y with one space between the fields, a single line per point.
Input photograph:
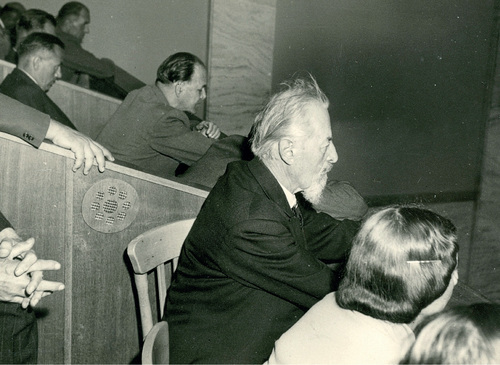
x=104 y=75
x=21 y=87
x=23 y=121
x=4 y=223
x=248 y=270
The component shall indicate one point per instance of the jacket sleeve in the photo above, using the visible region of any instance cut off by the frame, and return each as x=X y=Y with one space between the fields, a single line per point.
x=341 y=201
x=23 y=121
x=4 y=223
x=173 y=138
x=329 y=239
x=83 y=61
x=264 y=254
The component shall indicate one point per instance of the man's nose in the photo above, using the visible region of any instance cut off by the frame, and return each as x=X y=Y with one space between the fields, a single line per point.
x=58 y=74
x=86 y=29
x=203 y=94
x=332 y=153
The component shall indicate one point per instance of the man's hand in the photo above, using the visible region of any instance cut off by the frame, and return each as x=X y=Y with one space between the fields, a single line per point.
x=21 y=273
x=208 y=129
x=14 y=288
x=84 y=148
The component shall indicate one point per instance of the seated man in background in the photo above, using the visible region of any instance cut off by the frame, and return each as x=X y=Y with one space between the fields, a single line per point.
x=256 y=257
x=81 y=67
x=38 y=67
x=21 y=284
x=9 y=15
x=33 y=127
x=31 y=21
x=151 y=130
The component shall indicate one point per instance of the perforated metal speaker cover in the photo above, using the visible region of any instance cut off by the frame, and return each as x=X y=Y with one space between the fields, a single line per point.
x=110 y=205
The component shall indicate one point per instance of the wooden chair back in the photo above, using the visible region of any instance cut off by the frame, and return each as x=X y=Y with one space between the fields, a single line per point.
x=152 y=251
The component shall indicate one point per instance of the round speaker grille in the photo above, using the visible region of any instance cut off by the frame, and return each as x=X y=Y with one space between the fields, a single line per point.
x=110 y=205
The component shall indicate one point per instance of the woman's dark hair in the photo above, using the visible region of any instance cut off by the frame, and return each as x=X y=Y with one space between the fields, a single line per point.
x=402 y=260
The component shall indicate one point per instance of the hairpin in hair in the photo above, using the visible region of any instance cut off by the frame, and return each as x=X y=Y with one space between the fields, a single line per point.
x=421 y=261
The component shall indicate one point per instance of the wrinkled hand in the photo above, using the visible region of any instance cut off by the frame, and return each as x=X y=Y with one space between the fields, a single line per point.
x=21 y=273
x=84 y=148
x=208 y=129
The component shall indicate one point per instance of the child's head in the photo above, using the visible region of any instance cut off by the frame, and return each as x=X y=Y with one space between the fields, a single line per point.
x=401 y=261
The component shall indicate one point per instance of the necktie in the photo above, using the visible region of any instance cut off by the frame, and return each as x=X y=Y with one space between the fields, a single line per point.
x=298 y=214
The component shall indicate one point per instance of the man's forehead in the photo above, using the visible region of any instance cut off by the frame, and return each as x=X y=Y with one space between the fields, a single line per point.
x=55 y=54
x=48 y=28
x=319 y=119
x=199 y=74
x=84 y=15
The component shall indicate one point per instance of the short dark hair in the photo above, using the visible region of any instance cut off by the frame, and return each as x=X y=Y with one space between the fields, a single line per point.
x=401 y=260
x=11 y=8
x=35 y=19
x=36 y=41
x=178 y=67
x=68 y=9
x=466 y=334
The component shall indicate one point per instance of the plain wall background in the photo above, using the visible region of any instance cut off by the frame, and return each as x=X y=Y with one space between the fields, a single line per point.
x=139 y=35
x=407 y=82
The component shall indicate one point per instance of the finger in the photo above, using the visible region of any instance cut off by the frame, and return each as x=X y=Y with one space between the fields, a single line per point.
x=99 y=155
x=21 y=248
x=26 y=263
x=28 y=258
x=25 y=302
x=50 y=286
x=37 y=274
x=36 y=279
x=78 y=150
x=106 y=152
x=89 y=158
x=44 y=265
x=35 y=298
x=5 y=248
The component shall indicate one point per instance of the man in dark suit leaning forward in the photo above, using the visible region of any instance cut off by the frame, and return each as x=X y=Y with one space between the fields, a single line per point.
x=38 y=68
x=256 y=258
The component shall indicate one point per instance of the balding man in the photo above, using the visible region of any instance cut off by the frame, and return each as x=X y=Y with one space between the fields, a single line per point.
x=82 y=67
x=38 y=68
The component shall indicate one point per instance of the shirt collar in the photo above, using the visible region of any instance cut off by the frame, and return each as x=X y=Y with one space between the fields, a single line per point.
x=31 y=77
x=292 y=200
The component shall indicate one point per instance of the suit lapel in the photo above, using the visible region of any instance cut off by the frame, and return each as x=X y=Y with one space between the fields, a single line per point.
x=272 y=189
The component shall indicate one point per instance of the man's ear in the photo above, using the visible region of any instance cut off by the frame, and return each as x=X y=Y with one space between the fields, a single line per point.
x=35 y=62
x=178 y=88
x=286 y=150
x=454 y=276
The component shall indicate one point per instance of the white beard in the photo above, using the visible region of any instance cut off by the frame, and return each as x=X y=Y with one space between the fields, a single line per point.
x=313 y=193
